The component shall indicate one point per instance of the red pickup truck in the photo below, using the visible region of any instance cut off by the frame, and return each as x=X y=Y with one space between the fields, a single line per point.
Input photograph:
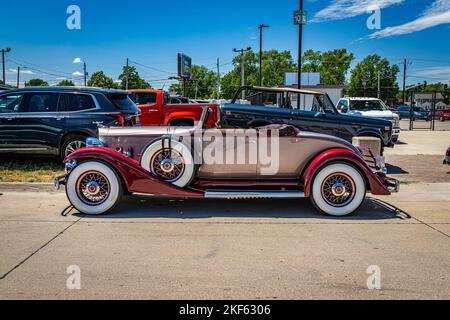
x=156 y=110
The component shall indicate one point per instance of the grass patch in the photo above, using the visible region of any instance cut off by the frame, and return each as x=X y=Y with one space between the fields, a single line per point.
x=30 y=170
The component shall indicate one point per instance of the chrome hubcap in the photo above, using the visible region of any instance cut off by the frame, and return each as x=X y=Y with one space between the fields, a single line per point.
x=93 y=188
x=338 y=190
x=167 y=165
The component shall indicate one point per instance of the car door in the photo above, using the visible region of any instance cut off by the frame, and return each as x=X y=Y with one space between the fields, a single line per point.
x=39 y=121
x=83 y=113
x=230 y=154
x=9 y=106
x=151 y=108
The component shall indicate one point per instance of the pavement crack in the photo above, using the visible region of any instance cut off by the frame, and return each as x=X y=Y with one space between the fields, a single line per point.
x=431 y=227
x=39 y=249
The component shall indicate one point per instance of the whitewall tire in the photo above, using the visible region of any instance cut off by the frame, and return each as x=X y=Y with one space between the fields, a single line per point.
x=338 y=190
x=94 y=188
x=175 y=166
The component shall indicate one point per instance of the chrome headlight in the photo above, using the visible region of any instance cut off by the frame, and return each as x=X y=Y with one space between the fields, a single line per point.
x=93 y=142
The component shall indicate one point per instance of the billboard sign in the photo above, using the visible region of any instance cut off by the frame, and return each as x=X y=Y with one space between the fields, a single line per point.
x=184 y=65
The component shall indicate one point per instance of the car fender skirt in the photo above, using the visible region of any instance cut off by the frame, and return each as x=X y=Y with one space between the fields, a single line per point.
x=135 y=178
x=375 y=183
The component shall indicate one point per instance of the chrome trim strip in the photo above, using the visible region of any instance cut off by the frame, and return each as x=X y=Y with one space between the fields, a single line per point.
x=211 y=194
x=22 y=149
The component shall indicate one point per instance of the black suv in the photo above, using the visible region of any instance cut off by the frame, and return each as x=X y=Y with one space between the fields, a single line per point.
x=315 y=113
x=57 y=120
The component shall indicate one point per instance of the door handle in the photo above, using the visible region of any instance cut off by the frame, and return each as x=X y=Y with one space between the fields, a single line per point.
x=153 y=110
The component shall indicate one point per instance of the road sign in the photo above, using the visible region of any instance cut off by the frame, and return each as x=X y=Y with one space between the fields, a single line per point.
x=184 y=66
x=300 y=17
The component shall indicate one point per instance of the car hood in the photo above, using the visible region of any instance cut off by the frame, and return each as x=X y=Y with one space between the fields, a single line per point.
x=376 y=114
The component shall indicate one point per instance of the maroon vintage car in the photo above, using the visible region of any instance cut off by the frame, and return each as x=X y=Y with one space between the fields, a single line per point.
x=276 y=161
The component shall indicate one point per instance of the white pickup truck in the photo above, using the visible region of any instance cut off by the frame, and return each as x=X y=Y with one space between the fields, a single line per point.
x=372 y=108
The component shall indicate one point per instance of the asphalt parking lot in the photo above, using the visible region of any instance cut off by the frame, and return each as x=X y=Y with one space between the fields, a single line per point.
x=200 y=249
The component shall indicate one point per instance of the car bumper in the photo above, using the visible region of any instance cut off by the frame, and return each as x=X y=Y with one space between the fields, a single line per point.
x=60 y=181
x=393 y=185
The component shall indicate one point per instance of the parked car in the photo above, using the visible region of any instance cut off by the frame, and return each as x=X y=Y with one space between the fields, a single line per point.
x=417 y=114
x=317 y=114
x=57 y=120
x=4 y=88
x=447 y=157
x=441 y=115
x=166 y=162
x=371 y=108
x=157 y=109
x=181 y=100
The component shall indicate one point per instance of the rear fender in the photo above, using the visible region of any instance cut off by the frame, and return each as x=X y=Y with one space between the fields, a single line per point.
x=374 y=182
x=136 y=178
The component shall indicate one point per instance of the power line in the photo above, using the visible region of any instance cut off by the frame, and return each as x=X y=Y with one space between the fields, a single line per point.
x=151 y=68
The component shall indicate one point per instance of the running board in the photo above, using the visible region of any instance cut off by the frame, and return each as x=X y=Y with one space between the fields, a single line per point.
x=224 y=194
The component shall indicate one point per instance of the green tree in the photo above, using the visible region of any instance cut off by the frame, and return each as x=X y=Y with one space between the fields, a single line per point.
x=364 y=78
x=66 y=83
x=275 y=65
x=332 y=65
x=37 y=83
x=100 y=80
x=203 y=84
x=134 y=80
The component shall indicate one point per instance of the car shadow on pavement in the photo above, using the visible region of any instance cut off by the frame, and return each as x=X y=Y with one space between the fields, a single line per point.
x=392 y=169
x=139 y=207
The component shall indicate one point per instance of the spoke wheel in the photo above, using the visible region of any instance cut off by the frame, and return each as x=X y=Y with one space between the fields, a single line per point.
x=168 y=165
x=93 y=188
x=338 y=190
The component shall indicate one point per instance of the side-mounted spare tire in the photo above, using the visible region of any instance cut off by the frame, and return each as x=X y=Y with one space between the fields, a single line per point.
x=169 y=160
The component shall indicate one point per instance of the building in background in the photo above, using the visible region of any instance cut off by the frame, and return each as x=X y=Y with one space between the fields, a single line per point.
x=311 y=81
x=425 y=100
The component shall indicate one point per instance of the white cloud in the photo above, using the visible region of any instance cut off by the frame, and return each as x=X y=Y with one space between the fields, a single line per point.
x=77 y=74
x=343 y=9
x=438 y=13
x=22 y=71
x=77 y=61
x=442 y=72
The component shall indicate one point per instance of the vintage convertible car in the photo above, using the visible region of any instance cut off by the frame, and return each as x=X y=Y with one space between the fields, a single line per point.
x=176 y=162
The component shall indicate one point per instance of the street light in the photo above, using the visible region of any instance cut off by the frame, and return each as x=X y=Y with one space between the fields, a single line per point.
x=261 y=27
x=7 y=50
x=242 y=51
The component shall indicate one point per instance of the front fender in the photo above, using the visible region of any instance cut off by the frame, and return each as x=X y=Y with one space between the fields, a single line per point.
x=136 y=178
x=374 y=182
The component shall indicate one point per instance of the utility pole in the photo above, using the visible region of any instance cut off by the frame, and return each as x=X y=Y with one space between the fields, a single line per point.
x=7 y=50
x=218 y=78
x=18 y=77
x=379 y=85
x=85 y=74
x=405 y=63
x=126 y=75
x=261 y=27
x=242 y=52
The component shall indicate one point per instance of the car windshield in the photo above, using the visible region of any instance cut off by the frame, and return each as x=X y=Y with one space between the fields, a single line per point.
x=288 y=100
x=368 y=105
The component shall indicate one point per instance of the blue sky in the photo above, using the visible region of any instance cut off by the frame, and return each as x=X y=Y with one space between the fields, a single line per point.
x=152 y=32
